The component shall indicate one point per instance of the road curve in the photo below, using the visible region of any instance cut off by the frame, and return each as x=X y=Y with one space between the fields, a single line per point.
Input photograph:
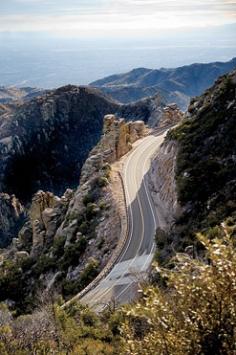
x=121 y=284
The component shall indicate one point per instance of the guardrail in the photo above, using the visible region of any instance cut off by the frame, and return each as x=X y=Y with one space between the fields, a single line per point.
x=117 y=253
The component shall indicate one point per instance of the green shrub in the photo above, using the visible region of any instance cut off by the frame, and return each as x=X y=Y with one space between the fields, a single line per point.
x=107 y=170
x=103 y=205
x=84 y=227
x=161 y=238
x=205 y=168
x=74 y=215
x=90 y=272
x=71 y=287
x=44 y=264
x=58 y=246
x=27 y=263
x=11 y=279
x=89 y=198
x=91 y=210
x=73 y=253
x=102 y=181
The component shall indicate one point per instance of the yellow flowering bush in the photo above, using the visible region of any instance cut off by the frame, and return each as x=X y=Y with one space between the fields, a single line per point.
x=195 y=311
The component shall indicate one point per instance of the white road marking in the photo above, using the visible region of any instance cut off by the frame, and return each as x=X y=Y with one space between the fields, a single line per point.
x=122 y=273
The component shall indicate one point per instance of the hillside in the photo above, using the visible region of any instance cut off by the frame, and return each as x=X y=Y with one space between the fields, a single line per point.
x=43 y=138
x=64 y=242
x=45 y=142
x=13 y=94
x=201 y=155
x=50 y=137
x=186 y=310
x=175 y=85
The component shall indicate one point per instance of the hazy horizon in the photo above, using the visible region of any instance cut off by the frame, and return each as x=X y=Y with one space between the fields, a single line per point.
x=49 y=43
x=111 y=18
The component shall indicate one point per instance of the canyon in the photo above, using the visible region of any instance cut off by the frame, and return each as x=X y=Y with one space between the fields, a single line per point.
x=88 y=241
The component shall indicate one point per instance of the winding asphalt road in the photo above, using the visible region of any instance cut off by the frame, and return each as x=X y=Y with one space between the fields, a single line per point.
x=121 y=284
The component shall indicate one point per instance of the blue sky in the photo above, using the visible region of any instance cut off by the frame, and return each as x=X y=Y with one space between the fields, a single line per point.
x=113 y=17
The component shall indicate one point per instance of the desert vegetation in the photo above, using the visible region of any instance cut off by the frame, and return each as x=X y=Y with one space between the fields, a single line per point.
x=191 y=311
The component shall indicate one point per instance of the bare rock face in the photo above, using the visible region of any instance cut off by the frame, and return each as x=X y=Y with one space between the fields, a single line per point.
x=46 y=213
x=49 y=138
x=115 y=137
x=38 y=240
x=118 y=136
x=136 y=130
x=162 y=183
x=64 y=236
x=115 y=142
x=11 y=217
x=171 y=115
x=41 y=200
x=165 y=115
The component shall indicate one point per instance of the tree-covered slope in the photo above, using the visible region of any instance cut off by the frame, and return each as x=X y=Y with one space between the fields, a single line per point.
x=206 y=160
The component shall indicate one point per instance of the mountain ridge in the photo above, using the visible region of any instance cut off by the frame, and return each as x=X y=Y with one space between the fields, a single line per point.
x=175 y=84
x=44 y=142
x=200 y=154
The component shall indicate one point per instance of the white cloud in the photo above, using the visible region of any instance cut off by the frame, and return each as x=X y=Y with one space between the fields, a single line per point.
x=114 y=17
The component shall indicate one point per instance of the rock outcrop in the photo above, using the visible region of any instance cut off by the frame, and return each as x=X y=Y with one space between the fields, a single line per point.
x=171 y=115
x=165 y=116
x=118 y=136
x=162 y=183
x=11 y=217
x=66 y=236
x=46 y=213
x=3 y=109
x=116 y=141
x=50 y=137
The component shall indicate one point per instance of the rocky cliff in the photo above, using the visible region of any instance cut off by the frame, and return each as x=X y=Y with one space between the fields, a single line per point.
x=195 y=169
x=12 y=216
x=44 y=142
x=67 y=240
x=49 y=138
x=118 y=136
x=163 y=185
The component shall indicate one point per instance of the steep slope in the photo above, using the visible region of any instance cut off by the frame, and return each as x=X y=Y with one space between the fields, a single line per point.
x=44 y=142
x=193 y=308
x=175 y=85
x=12 y=217
x=67 y=241
x=203 y=159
